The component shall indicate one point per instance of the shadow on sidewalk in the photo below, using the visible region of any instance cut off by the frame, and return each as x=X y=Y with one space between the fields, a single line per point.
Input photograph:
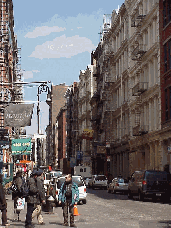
x=56 y=223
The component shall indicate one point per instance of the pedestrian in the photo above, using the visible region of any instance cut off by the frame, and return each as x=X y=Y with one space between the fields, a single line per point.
x=32 y=198
x=68 y=196
x=40 y=200
x=17 y=181
x=3 y=204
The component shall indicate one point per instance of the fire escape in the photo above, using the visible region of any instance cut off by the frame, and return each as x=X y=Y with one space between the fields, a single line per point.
x=4 y=40
x=10 y=63
x=140 y=87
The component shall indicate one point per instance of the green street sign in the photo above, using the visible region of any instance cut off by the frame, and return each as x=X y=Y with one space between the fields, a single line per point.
x=21 y=146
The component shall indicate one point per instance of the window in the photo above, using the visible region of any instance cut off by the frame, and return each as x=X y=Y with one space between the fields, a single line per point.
x=165 y=57
x=166 y=105
x=170 y=102
x=164 y=14
x=169 y=11
x=169 y=43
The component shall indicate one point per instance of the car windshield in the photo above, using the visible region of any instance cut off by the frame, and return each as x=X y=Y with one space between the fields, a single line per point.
x=100 y=178
x=156 y=175
x=78 y=181
x=120 y=180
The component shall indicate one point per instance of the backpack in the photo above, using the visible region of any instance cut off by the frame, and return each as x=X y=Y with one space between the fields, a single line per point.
x=24 y=189
x=14 y=188
x=68 y=192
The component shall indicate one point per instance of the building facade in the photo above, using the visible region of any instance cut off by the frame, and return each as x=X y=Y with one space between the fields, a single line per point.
x=57 y=101
x=10 y=72
x=84 y=117
x=165 y=77
x=128 y=98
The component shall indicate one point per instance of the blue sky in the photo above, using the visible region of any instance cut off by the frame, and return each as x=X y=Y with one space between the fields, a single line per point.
x=56 y=41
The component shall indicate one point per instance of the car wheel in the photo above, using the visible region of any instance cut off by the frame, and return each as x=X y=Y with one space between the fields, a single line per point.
x=140 y=196
x=84 y=201
x=130 y=196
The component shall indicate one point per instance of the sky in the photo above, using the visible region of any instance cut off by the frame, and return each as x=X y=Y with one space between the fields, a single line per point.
x=56 y=41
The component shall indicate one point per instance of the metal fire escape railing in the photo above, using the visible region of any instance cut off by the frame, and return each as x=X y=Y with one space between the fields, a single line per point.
x=140 y=87
x=4 y=37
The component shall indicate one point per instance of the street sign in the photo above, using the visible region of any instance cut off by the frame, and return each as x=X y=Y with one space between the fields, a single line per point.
x=79 y=155
x=21 y=146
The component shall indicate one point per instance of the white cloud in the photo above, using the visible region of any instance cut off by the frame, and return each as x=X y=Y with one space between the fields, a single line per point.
x=27 y=74
x=35 y=71
x=43 y=31
x=63 y=47
x=79 y=27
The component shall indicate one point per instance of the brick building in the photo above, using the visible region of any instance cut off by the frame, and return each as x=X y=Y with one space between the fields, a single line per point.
x=165 y=77
x=57 y=101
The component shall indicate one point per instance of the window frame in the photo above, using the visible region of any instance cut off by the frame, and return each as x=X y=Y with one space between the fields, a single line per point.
x=164 y=13
x=165 y=57
x=166 y=106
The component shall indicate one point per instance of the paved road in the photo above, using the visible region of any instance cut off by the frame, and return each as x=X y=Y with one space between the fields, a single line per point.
x=107 y=211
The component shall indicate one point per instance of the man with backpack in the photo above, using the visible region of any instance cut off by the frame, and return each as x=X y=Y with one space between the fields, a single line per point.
x=32 y=198
x=68 y=196
x=40 y=199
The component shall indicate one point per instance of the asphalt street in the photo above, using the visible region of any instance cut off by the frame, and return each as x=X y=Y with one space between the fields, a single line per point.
x=105 y=210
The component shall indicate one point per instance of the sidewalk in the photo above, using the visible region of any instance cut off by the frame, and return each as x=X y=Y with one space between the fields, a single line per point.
x=54 y=219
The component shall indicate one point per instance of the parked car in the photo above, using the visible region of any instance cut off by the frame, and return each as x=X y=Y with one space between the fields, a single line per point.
x=46 y=182
x=118 y=185
x=98 y=181
x=86 y=180
x=150 y=183
x=91 y=180
x=81 y=187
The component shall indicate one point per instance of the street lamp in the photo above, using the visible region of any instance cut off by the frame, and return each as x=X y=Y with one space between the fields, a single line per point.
x=42 y=88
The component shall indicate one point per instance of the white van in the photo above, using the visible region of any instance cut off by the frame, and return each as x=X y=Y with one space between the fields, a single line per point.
x=83 y=171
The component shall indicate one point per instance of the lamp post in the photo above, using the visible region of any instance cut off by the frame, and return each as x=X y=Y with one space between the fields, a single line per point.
x=41 y=88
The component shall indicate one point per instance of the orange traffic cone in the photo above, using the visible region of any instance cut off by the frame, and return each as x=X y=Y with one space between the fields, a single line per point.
x=76 y=210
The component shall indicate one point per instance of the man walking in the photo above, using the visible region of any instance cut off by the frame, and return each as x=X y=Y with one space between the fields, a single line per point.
x=68 y=196
x=17 y=181
x=32 y=199
x=40 y=199
x=3 y=204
